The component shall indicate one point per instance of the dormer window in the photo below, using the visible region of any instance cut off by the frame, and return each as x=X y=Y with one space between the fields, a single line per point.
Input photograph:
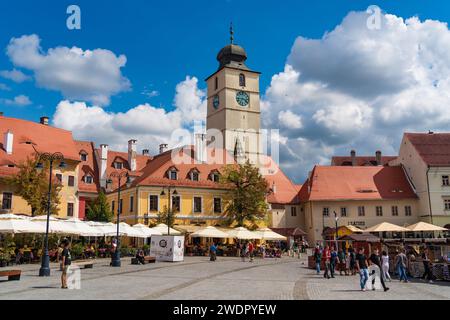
x=118 y=165
x=194 y=175
x=83 y=156
x=215 y=176
x=88 y=179
x=242 y=80
x=172 y=173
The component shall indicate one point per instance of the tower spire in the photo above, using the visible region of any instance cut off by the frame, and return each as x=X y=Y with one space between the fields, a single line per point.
x=231 y=33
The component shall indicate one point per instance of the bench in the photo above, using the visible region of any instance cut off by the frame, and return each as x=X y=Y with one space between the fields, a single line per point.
x=84 y=263
x=147 y=259
x=11 y=274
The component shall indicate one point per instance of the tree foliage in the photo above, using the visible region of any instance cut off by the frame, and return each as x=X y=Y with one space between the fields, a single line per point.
x=248 y=190
x=99 y=210
x=165 y=216
x=32 y=185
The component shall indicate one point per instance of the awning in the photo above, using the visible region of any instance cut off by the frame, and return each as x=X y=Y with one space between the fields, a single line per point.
x=210 y=232
x=267 y=234
x=386 y=227
x=423 y=226
x=243 y=233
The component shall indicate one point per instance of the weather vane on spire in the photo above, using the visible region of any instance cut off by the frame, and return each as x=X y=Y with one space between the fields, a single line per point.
x=231 y=33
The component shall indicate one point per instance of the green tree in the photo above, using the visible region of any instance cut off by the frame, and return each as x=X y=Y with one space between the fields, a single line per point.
x=165 y=215
x=99 y=209
x=248 y=190
x=32 y=185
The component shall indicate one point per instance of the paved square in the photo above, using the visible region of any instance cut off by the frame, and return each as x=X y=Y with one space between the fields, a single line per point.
x=198 y=278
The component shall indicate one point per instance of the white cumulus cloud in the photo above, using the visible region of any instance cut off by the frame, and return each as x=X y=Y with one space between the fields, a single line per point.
x=14 y=75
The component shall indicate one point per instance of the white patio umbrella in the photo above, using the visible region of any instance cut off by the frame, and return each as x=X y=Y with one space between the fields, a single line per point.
x=146 y=230
x=110 y=230
x=386 y=227
x=163 y=229
x=10 y=223
x=210 y=232
x=267 y=234
x=423 y=226
x=83 y=228
x=126 y=230
x=243 y=233
x=55 y=225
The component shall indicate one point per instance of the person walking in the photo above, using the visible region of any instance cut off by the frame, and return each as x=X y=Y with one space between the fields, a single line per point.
x=251 y=247
x=352 y=261
x=333 y=261
x=66 y=262
x=401 y=262
x=342 y=263
x=427 y=265
x=238 y=248
x=213 y=252
x=361 y=267
x=385 y=266
x=317 y=258
x=244 y=250
x=375 y=259
x=326 y=257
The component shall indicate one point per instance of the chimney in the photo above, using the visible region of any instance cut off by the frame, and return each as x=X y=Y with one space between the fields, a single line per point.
x=200 y=147
x=145 y=152
x=274 y=187
x=353 y=156
x=162 y=148
x=8 y=142
x=44 y=121
x=132 y=154
x=378 y=157
x=103 y=164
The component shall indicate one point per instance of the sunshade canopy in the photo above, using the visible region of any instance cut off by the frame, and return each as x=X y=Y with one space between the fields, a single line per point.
x=386 y=227
x=423 y=226
x=83 y=228
x=267 y=234
x=55 y=225
x=243 y=233
x=146 y=230
x=10 y=223
x=163 y=229
x=210 y=232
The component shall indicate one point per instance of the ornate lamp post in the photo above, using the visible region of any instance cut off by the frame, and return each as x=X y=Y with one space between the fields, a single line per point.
x=44 y=271
x=169 y=212
x=336 y=218
x=115 y=259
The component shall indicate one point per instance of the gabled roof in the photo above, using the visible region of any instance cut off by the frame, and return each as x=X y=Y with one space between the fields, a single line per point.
x=356 y=183
x=433 y=148
x=44 y=138
x=88 y=167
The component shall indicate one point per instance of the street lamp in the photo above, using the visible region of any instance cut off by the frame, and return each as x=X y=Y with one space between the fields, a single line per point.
x=169 y=212
x=115 y=258
x=44 y=271
x=336 y=218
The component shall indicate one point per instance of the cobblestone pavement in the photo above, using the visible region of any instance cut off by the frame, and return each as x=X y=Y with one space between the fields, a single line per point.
x=198 y=278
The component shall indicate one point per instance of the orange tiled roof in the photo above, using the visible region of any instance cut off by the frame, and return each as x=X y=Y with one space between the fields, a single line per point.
x=356 y=183
x=45 y=138
x=88 y=167
x=433 y=148
x=360 y=160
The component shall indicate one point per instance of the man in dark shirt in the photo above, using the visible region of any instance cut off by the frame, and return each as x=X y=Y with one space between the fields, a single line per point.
x=66 y=262
x=375 y=259
x=427 y=264
x=361 y=267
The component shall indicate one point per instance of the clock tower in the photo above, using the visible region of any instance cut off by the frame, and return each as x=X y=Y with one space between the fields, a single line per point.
x=233 y=106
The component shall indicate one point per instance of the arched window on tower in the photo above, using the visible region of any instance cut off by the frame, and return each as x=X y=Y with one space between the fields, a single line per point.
x=216 y=83
x=242 y=80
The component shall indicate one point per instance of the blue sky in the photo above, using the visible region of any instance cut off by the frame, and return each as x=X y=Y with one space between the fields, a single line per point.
x=166 y=41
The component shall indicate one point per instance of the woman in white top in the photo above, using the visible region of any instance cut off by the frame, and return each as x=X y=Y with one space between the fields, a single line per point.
x=385 y=265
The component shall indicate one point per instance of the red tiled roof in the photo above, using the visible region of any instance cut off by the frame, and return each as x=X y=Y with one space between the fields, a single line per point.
x=88 y=167
x=360 y=160
x=356 y=183
x=45 y=138
x=285 y=190
x=433 y=148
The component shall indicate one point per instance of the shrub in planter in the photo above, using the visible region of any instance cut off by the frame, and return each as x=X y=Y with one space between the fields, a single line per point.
x=132 y=252
x=146 y=249
x=124 y=251
x=77 y=250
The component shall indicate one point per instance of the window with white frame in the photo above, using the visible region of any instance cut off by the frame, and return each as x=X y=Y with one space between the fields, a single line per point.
x=445 y=181
x=215 y=176
x=326 y=212
x=447 y=204
x=176 y=203
x=194 y=175
x=7 y=200
x=131 y=203
x=394 y=211
x=379 y=211
x=118 y=165
x=83 y=156
x=408 y=211
x=343 y=212
x=197 y=204
x=361 y=211
x=173 y=174
x=88 y=179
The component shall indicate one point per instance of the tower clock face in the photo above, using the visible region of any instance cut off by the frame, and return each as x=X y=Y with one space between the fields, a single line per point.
x=242 y=98
x=216 y=101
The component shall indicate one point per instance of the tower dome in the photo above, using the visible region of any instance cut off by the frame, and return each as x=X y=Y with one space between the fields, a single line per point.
x=232 y=55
